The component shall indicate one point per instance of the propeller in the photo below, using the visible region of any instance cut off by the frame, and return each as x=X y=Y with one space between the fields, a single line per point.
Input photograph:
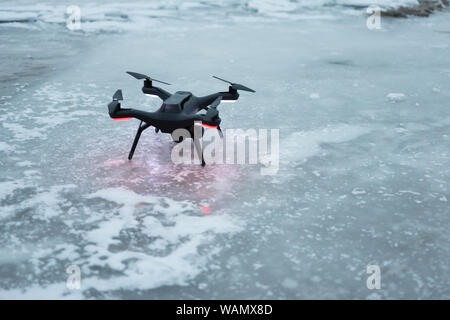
x=235 y=86
x=118 y=95
x=114 y=105
x=141 y=76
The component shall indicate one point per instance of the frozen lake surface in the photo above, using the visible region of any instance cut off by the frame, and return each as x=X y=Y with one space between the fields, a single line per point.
x=364 y=154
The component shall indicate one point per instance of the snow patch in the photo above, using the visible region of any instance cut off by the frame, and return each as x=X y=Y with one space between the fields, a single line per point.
x=396 y=97
x=139 y=242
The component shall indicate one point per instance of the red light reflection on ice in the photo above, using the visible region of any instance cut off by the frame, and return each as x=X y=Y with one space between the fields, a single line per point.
x=206 y=210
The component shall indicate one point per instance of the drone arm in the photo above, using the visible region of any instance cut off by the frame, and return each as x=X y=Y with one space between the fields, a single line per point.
x=209 y=99
x=155 y=91
x=229 y=96
x=117 y=113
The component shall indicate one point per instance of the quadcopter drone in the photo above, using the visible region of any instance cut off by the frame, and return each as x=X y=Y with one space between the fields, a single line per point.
x=179 y=110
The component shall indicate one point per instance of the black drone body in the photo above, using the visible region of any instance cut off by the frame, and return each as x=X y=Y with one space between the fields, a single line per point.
x=179 y=110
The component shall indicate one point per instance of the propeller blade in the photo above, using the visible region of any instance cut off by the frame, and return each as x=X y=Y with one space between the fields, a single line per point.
x=216 y=102
x=236 y=86
x=118 y=95
x=138 y=76
x=152 y=79
x=141 y=76
x=222 y=80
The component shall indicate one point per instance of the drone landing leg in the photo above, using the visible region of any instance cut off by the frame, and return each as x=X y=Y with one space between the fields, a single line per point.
x=136 y=139
x=199 y=151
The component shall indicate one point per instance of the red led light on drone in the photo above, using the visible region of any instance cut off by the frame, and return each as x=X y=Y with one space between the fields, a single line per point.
x=122 y=119
x=208 y=126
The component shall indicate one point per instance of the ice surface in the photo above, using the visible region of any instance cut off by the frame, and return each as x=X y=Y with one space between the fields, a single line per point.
x=361 y=181
x=111 y=16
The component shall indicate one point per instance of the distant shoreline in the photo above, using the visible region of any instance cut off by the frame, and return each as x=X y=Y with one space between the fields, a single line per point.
x=423 y=9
